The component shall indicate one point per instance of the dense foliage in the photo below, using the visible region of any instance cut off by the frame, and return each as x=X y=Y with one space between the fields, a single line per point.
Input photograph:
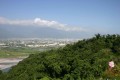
x=87 y=59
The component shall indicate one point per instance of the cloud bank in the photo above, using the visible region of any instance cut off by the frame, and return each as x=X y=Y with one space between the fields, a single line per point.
x=40 y=23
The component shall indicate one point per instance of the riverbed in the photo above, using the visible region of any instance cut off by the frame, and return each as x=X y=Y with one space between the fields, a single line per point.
x=6 y=63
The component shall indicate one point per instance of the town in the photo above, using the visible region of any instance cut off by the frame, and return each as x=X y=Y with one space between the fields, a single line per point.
x=35 y=43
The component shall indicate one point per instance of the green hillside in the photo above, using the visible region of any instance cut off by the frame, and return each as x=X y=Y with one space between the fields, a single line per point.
x=85 y=60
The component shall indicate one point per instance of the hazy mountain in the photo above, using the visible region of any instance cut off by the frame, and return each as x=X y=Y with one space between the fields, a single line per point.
x=8 y=31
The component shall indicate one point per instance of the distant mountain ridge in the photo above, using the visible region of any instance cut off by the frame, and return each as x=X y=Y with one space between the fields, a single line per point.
x=7 y=31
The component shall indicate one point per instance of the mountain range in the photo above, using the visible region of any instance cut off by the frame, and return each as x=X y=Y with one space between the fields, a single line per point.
x=15 y=31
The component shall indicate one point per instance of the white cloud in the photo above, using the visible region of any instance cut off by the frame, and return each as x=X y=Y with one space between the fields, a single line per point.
x=40 y=23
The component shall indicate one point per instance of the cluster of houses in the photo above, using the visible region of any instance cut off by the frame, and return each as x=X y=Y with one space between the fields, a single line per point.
x=35 y=43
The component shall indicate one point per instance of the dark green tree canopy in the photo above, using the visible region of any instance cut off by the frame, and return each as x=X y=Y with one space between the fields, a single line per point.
x=86 y=59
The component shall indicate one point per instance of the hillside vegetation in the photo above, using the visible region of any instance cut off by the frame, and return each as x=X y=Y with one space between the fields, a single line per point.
x=85 y=60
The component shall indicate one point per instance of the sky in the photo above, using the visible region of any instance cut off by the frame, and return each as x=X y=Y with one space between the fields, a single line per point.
x=85 y=17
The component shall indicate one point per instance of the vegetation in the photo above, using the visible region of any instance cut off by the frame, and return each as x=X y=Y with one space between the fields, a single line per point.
x=85 y=60
x=14 y=52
